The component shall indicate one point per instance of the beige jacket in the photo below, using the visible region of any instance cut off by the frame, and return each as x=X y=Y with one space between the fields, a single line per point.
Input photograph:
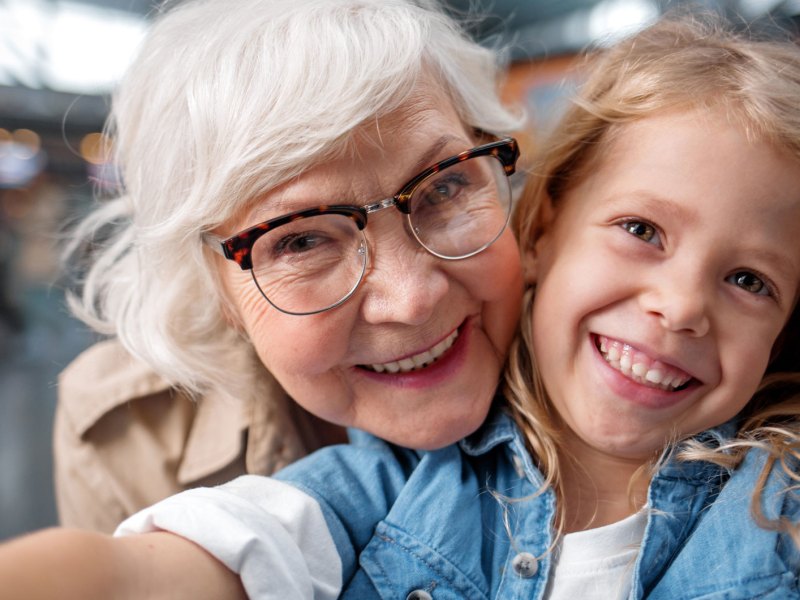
x=124 y=439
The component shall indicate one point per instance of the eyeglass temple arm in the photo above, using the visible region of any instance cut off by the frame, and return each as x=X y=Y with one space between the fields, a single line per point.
x=508 y=155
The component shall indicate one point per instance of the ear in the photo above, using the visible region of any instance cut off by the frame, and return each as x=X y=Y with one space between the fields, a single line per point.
x=529 y=263
x=223 y=296
x=534 y=246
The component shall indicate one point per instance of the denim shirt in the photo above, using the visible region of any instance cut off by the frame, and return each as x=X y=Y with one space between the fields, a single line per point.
x=469 y=522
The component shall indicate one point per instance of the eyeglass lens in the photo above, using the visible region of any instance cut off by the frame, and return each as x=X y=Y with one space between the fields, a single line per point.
x=460 y=210
x=315 y=263
x=311 y=264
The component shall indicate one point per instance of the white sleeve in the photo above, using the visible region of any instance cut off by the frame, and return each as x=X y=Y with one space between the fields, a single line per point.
x=270 y=533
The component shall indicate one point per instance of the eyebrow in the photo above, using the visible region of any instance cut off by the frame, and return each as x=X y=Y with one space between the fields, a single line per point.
x=659 y=203
x=428 y=157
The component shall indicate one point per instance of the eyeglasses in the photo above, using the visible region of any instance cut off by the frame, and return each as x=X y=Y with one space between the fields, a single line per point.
x=312 y=260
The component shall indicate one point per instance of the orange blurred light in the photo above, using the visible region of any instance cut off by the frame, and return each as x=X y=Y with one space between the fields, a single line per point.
x=27 y=143
x=5 y=142
x=95 y=148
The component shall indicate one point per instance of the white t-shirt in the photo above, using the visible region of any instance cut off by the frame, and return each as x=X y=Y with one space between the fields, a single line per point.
x=270 y=533
x=597 y=564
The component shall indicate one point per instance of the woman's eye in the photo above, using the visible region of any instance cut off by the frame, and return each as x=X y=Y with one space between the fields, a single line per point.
x=750 y=283
x=297 y=243
x=644 y=231
x=444 y=189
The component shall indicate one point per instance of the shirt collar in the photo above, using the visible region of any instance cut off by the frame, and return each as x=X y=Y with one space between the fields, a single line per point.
x=698 y=471
x=499 y=428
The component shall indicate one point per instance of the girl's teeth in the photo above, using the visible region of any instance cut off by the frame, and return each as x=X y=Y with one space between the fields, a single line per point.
x=654 y=376
x=640 y=367
x=423 y=359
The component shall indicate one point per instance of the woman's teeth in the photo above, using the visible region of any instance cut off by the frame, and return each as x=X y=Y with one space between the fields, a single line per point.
x=639 y=367
x=418 y=361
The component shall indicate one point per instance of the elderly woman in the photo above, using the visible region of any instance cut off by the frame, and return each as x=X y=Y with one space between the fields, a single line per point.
x=312 y=231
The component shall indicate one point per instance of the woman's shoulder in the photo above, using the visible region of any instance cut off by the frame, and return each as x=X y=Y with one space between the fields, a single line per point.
x=101 y=378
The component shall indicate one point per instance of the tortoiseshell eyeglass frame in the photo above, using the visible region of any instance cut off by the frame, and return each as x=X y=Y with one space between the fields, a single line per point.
x=238 y=247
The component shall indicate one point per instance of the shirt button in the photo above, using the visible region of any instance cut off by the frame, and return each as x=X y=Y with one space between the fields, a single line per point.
x=419 y=595
x=525 y=565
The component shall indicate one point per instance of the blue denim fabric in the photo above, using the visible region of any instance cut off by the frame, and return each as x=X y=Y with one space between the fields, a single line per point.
x=451 y=522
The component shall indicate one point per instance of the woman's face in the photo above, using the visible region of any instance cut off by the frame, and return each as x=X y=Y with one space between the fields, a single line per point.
x=408 y=303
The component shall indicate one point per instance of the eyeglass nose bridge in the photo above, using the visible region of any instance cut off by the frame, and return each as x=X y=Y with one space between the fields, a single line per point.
x=400 y=202
x=385 y=203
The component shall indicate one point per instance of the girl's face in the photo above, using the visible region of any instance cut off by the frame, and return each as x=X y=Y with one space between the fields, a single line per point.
x=664 y=281
x=410 y=303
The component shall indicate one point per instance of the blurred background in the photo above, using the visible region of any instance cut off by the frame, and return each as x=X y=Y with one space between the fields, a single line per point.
x=59 y=60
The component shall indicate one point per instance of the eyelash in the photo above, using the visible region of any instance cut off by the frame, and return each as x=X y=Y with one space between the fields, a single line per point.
x=628 y=225
x=767 y=286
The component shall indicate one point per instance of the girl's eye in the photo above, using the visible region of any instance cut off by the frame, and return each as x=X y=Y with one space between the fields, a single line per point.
x=644 y=231
x=750 y=283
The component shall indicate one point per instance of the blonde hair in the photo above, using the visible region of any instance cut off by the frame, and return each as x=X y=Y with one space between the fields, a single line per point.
x=226 y=101
x=677 y=63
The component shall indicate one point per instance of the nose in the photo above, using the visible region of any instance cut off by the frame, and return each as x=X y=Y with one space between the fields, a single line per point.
x=404 y=283
x=680 y=299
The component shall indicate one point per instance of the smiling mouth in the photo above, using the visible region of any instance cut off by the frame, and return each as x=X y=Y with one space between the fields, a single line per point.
x=417 y=361
x=639 y=367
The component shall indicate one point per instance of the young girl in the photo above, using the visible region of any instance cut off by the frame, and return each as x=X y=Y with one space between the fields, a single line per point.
x=655 y=386
x=657 y=375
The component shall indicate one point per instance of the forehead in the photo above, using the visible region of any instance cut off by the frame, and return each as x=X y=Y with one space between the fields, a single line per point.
x=374 y=160
x=686 y=153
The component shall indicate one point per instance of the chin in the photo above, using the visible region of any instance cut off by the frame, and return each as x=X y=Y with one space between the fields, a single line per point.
x=445 y=433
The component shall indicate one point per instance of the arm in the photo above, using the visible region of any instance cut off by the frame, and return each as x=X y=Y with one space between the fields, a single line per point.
x=71 y=564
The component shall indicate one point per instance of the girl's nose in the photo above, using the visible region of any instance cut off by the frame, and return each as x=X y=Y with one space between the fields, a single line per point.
x=680 y=299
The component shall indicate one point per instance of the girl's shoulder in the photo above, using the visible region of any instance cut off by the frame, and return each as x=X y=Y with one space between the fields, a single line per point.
x=769 y=481
x=725 y=538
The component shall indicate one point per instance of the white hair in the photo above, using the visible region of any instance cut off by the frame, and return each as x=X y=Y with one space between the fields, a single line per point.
x=225 y=101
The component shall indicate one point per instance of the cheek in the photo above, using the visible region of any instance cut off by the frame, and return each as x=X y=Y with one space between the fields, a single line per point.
x=299 y=349
x=746 y=361
x=499 y=287
x=290 y=347
x=544 y=335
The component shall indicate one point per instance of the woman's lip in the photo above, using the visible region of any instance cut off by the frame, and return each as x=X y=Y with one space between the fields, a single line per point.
x=430 y=349
x=453 y=333
x=638 y=393
x=440 y=370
